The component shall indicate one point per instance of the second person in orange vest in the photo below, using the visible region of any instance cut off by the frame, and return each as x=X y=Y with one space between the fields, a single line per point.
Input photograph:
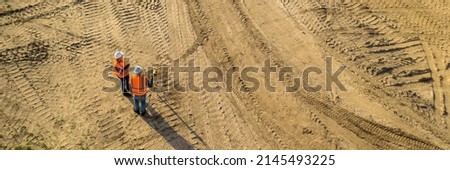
x=139 y=84
x=121 y=71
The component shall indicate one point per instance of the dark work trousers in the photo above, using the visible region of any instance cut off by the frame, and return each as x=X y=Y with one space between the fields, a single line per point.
x=125 y=85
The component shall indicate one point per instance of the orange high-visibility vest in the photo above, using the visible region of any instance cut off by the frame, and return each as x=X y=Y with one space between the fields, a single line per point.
x=138 y=85
x=120 y=65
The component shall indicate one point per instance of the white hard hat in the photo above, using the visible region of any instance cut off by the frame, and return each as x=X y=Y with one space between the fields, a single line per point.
x=118 y=54
x=137 y=70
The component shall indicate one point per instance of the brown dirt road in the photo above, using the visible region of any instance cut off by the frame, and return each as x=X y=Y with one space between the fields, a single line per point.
x=54 y=56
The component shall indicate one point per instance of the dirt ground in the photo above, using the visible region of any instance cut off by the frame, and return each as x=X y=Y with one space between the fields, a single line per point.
x=56 y=58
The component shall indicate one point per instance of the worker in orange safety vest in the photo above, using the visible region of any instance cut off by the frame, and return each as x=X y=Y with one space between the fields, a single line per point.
x=139 y=84
x=121 y=71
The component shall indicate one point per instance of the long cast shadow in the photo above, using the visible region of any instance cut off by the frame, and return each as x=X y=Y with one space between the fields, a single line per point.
x=184 y=123
x=159 y=124
x=165 y=130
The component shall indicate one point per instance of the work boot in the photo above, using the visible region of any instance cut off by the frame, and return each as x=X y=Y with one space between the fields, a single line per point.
x=142 y=114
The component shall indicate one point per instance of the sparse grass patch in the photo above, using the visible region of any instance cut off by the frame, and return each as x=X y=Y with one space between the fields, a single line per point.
x=44 y=146
x=23 y=148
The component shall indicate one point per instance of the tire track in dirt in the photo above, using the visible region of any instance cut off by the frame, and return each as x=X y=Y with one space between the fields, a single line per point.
x=334 y=42
x=24 y=12
x=10 y=112
x=41 y=116
x=440 y=82
x=215 y=121
x=110 y=127
x=39 y=75
x=374 y=133
x=365 y=129
x=438 y=93
x=330 y=136
x=252 y=102
x=169 y=106
x=93 y=35
x=411 y=117
x=20 y=116
x=414 y=17
x=79 y=89
x=71 y=50
x=203 y=31
x=183 y=35
x=46 y=9
x=124 y=22
x=128 y=18
x=228 y=115
x=416 y=54
x=19 y=72
x=255 y=98
x=418 y=19
x=380 y=136
x=35 y=51
x=202 y=27
x=216 y=112
x=19 y=10
x=156 y=26
x=263 y=45
x=64 y=53
x=199 y=142
x=379 y=46
x=219 y=111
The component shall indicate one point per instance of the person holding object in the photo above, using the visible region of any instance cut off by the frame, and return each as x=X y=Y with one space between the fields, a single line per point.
x=121 y=71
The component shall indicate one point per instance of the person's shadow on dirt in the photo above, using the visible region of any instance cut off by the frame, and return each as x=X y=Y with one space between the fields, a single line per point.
x=154 y=120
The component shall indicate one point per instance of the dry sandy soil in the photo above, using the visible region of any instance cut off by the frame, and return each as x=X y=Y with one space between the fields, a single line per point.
x=53 y=57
